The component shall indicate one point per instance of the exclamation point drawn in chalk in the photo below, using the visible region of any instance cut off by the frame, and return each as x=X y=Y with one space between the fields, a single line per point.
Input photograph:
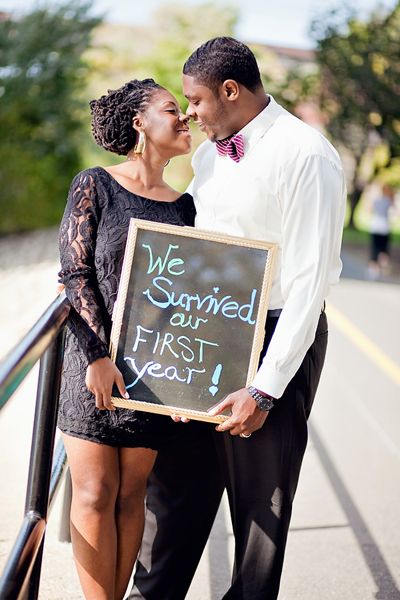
x=215 y=379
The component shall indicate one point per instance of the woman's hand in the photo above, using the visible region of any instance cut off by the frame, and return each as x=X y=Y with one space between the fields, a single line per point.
x=100 y=378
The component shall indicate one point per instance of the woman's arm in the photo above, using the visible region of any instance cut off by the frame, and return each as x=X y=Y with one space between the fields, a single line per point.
x=77 y=243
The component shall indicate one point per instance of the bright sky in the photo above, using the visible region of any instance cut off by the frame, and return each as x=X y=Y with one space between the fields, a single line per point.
x=281 y=22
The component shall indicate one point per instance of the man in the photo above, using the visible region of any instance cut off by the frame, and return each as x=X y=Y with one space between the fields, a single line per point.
x=262 y=174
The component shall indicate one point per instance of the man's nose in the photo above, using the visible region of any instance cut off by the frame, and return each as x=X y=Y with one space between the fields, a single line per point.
x=190 y=112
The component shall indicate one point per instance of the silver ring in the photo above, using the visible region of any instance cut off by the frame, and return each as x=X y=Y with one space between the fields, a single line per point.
x=245 y=435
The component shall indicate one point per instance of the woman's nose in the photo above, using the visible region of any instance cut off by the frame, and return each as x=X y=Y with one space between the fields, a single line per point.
x=184 y=118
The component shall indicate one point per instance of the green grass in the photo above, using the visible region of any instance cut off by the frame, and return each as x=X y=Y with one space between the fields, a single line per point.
x=360 y=237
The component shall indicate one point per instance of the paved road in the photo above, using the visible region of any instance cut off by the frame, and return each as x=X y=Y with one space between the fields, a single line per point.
x=343 y=542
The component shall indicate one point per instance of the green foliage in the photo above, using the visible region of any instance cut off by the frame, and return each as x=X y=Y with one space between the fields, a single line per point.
x=122 y=52
x=291 y=83
x=177 y=31
x=361 y=237
x=359 y=91
x=180 y=30
x=42 y=77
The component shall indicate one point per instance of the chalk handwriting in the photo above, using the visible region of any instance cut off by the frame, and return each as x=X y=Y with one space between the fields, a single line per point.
x=209 y=303
x=164 y=263
x=155 y=369
x=179 y=346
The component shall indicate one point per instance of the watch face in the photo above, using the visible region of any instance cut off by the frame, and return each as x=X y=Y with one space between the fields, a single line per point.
x=265 y=404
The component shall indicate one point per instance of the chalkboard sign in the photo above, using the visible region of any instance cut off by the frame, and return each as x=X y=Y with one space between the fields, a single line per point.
x=189 y=321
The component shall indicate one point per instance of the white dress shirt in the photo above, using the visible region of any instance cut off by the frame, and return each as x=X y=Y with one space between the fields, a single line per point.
x=289 y=189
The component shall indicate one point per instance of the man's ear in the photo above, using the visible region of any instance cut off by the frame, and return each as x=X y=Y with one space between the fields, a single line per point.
x=230 y=89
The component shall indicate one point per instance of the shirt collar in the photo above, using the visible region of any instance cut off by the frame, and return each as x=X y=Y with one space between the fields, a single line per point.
x=256 y=128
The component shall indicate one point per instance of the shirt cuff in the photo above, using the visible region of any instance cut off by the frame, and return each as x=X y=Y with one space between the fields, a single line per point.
x=270 y=382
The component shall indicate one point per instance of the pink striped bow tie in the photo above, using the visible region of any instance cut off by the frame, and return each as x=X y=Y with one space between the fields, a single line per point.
x=232 y=146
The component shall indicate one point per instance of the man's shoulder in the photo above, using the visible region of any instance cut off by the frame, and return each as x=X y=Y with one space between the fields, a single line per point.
x=300 y=139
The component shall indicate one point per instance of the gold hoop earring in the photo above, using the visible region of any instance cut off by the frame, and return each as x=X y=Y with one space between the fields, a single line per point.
x=140 y=144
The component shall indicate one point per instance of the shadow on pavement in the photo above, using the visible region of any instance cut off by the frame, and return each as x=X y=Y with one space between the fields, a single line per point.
x=380 y=572
x=218 y=557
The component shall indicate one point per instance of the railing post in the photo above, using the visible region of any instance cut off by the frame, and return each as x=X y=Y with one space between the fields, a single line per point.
x=21 y=574
x=17 y=364
x=31 y=590
x=45 y=421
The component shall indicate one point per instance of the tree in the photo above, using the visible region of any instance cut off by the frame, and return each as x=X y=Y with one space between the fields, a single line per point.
x=177 y=31
x=180 y=30
x=42 y=77
x=295 y=84
x=359 y=89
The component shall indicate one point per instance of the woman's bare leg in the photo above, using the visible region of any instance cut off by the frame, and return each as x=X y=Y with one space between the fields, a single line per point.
x=135 y=466
x=95 y=484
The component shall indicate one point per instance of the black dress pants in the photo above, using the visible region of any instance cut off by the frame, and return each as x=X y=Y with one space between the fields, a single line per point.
x=260 y=474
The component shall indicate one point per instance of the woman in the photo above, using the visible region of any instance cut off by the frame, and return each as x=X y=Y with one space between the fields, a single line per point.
x=380 y=233
x=112 y=451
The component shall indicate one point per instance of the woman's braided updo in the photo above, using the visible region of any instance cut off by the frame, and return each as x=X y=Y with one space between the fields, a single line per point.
x=112 y=114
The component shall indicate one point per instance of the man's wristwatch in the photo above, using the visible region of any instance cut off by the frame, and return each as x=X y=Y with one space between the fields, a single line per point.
x=264 y=401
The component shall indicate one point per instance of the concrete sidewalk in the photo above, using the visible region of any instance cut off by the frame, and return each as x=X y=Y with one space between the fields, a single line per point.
x=355 y=264
x=325 y=554
x=343 y=540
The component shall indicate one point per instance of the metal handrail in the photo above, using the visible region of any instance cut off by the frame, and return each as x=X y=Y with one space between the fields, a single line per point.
x=21 y=575
x=17 y=364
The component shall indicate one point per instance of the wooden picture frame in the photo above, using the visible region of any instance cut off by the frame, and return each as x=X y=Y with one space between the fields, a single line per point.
x=189 y=320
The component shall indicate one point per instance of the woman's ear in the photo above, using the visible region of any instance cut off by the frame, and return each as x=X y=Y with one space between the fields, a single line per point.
x=137 y=123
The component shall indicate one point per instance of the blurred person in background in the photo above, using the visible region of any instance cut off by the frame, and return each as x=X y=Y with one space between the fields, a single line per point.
x=379 y=228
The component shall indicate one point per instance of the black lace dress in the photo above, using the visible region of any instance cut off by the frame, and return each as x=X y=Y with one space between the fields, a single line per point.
x=92 y=240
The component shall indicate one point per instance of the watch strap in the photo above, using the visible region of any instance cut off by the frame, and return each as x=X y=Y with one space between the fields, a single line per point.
x=263 y=401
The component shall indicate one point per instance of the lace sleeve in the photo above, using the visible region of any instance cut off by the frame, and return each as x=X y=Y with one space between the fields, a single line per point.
x=77 y=242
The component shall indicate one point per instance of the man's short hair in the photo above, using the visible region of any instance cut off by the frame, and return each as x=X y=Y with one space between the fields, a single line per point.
x=223 y=58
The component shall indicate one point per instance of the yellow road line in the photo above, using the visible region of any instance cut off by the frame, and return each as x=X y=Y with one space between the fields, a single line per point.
x=364 y=343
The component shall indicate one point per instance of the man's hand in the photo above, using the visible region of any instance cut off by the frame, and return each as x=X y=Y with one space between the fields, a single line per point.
x=246 y=416
x=100 y=378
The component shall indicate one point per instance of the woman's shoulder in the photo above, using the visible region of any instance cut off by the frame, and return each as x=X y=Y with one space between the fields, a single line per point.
x=187 y=203
x=93 y=174
x=93 y=182
x=185 y=199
